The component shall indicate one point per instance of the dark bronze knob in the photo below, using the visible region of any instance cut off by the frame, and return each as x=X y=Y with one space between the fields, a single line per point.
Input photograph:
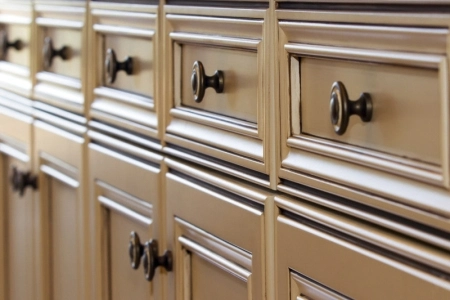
x=49 y=52
x=21 y=180
x=112 y=66
x=341 y=108
x=200 y=82
x=5 y=44
x=135 y=250
x=151 y=260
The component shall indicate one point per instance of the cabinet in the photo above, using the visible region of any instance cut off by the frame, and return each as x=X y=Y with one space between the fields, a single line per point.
x=224 y=150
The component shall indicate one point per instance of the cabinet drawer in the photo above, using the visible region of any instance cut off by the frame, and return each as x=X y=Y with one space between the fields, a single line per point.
x=140 y=51
x=126 y=64
x=15 y=36
x=213 y=261
x=60 y=57
x=375 y=103
x=219 y=91
x=318 y=262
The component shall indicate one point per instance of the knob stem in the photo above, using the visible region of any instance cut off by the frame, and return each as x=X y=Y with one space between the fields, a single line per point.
x=200 y=81
x=341 y=108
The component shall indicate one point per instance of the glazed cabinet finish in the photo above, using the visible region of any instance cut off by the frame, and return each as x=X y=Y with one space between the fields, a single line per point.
x=60 y=54
x=60 y=238
x=213 y=261
x=16 y=60
x=123 y=199
x=17 y=279
x=318 y=261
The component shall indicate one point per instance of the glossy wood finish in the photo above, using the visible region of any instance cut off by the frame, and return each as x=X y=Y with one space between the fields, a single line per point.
x=404 y=69
x=124 y=195
x=229 y=126
x=16 y=212
x=131 y=101
x=213 y=260
x=17 y=65
x=63 y=83
x=317 y=262
x=61 y=207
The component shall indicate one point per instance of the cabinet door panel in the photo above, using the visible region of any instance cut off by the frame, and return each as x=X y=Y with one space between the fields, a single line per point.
x=17 y=220
x=217 y=240
x=124 y=196
x=16 y=211
x=63 y=226
x=60 y=232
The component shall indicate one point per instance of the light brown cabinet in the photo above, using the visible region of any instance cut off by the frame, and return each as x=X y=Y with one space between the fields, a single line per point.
x=17 y=279
x=181 y=150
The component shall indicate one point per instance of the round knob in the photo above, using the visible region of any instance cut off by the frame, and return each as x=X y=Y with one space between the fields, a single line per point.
x=5 y=44
x=341 y=108
x=48 y=52
x=21 y=180
x=151 y=260
x=135 y=250
x=112 y=66
x=200 y=82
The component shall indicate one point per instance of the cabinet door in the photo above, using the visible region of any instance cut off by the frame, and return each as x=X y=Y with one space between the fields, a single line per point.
x=16 y=209
x=60 y=236
x=124 y=196
x=217 y=240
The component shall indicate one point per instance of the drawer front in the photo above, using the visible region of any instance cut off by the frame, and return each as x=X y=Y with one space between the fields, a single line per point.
x=239 y=98
x=312 y=264
x=220 y=95
x=18 y=36
x=125 y=197
x=15 y=36
x=140 y=81
x=376 y=102
x=71 y=39
x=407 y=106
x=61 y=43
x=125 y=78
x=213 y=261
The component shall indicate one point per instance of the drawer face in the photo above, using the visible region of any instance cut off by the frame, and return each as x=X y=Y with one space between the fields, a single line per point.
x=141 y=51
x=218 y=86
x=377 y=100
x=17 y=32
x=125 y=77
x=405 y=100
x=240 y=71
x=312 y=264
x=70 y=38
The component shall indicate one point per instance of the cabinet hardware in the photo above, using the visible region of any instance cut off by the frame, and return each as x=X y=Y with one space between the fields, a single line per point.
x=200 y=81
x=341 y=108
x=49 y=52
x=112 y=66
x=151 y=260
x=20 y=180
x=5 y=44
x=135 y=250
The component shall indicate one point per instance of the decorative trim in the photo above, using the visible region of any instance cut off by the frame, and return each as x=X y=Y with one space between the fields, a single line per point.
x=219 y=41
x=59 y=176
x=59 y=23
x=129 y=31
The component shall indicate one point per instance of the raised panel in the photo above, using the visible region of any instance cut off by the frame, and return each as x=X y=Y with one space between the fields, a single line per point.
x=130 y=100
x=230 y=121
x=61 y=261
x=353 y=261
x=216 y=236
x=17 y=234
x=17 y=281
x=124 y=193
